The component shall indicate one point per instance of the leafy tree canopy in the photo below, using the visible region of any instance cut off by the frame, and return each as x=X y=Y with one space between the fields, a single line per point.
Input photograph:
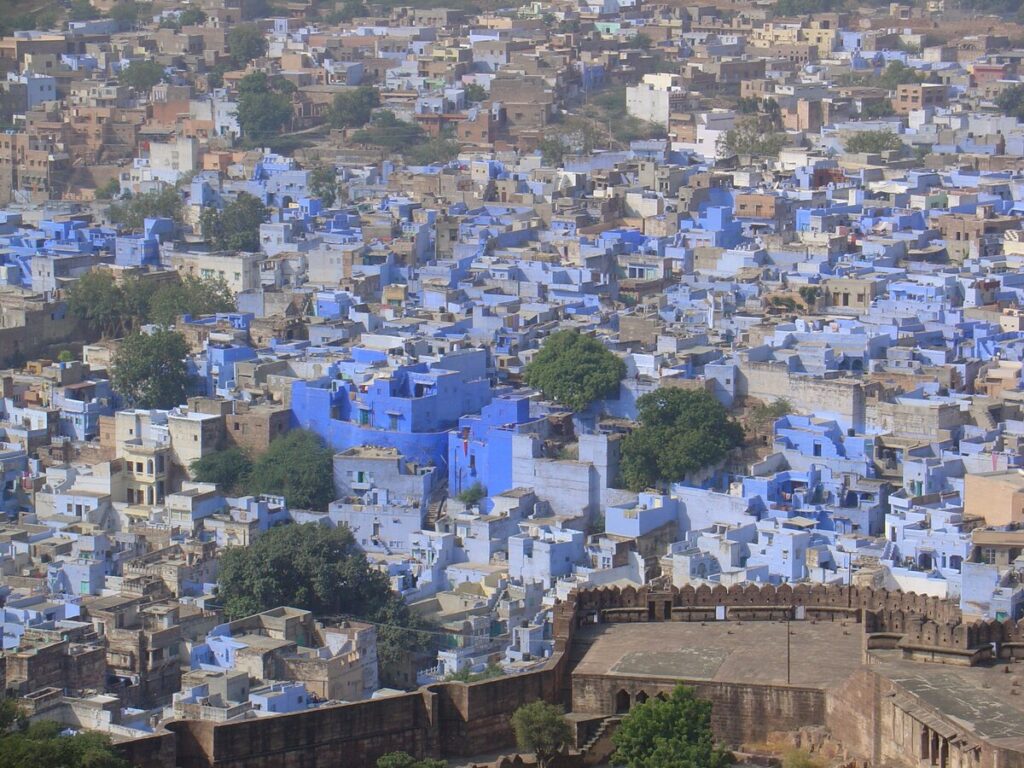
x=472 y=495
x=109 y=190
x=192 y=296
x=873 y=142
x=669 y=733
x=804 y=7
x=246 y=42
x=149 y=369
x=541 y=728
x=752 y=136
x=437 y=150
x=352 y=109
x=82 y=10
x=680 y=431
x=323 y=183
x=96 y=299
x=264 y=106
x=111 y=309
x=191 y=17
x=42 y=744
x=321 y=570
x=142 y=75
x=299 y=467
x=237 y=227
x=897 y=73
x=388 y=132
x=475 y=93
x=575 y=370
x=764 y=415
x=131 y=214
x=129 y=12
x=229 y=469
x=349 y=10
x=1011 y=101
x=405 y=760
x=876 y=109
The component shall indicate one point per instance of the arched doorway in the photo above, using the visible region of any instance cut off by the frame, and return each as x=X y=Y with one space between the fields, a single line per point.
x=621 y=703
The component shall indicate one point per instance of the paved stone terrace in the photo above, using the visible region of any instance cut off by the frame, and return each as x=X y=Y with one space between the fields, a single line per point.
x=988 y=700
x=821 y=655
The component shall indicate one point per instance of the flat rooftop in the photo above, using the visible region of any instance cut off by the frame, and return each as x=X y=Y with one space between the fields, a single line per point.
x=732 y=651
x=987 y=698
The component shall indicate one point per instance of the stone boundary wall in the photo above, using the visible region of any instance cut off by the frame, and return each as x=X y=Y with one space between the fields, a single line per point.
x=924 y=627
x=458 y=720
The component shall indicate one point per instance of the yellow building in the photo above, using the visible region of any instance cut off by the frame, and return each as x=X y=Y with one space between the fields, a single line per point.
x=998 y=497
x=145 y=472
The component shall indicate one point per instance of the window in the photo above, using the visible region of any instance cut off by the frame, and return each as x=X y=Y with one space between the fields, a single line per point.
x=988 y=555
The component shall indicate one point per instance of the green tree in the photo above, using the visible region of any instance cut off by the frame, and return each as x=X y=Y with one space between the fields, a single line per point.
x=897 y=73
x=131 y=214
x=875 y=109
x=809 y=293
x=82 y=10
x=405 y=760
x=66 y=356
x=436 y=150
x=192 y=296
x=1011 y=101
x=322 y=570
x=642 y=41
x=803 y=7
x=149 y=370
x=751 y=136
x=799 y=758
x=191 y=17
x=96 y=300
x=323 y=183
x=764 y=415
x=553 y=151
x=109 y=190
x=541 y=728
x=349 y=10
x=128 y=12
x=142 y=75
x=680 y=431
x=664 y=733
x=237 y=227
x=388 y=132
x=44 y=745
x=490 y=672
x=873 y=142
x=353 y=108
x=245 y=43
x=475 y=93
x=299 y=467
x=472 y=495
x=229 y=469
x=575 y=369
x=264 y=106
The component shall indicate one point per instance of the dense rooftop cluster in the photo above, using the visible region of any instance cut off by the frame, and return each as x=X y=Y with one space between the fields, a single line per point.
x=499 y=304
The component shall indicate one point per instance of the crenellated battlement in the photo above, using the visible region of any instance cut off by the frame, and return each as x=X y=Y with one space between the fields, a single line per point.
x=924 y=627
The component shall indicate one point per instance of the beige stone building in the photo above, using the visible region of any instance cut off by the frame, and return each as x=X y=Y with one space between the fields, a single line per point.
x=998 y=497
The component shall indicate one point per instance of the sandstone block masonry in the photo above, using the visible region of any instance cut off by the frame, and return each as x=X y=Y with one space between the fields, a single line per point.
x=882 y=711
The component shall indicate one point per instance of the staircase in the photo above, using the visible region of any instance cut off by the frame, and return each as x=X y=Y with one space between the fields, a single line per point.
x=599 y=748
x=981 y=410
x=435 y=511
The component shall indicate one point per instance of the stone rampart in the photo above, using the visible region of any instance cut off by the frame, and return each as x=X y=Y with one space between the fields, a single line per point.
x=458 y=720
